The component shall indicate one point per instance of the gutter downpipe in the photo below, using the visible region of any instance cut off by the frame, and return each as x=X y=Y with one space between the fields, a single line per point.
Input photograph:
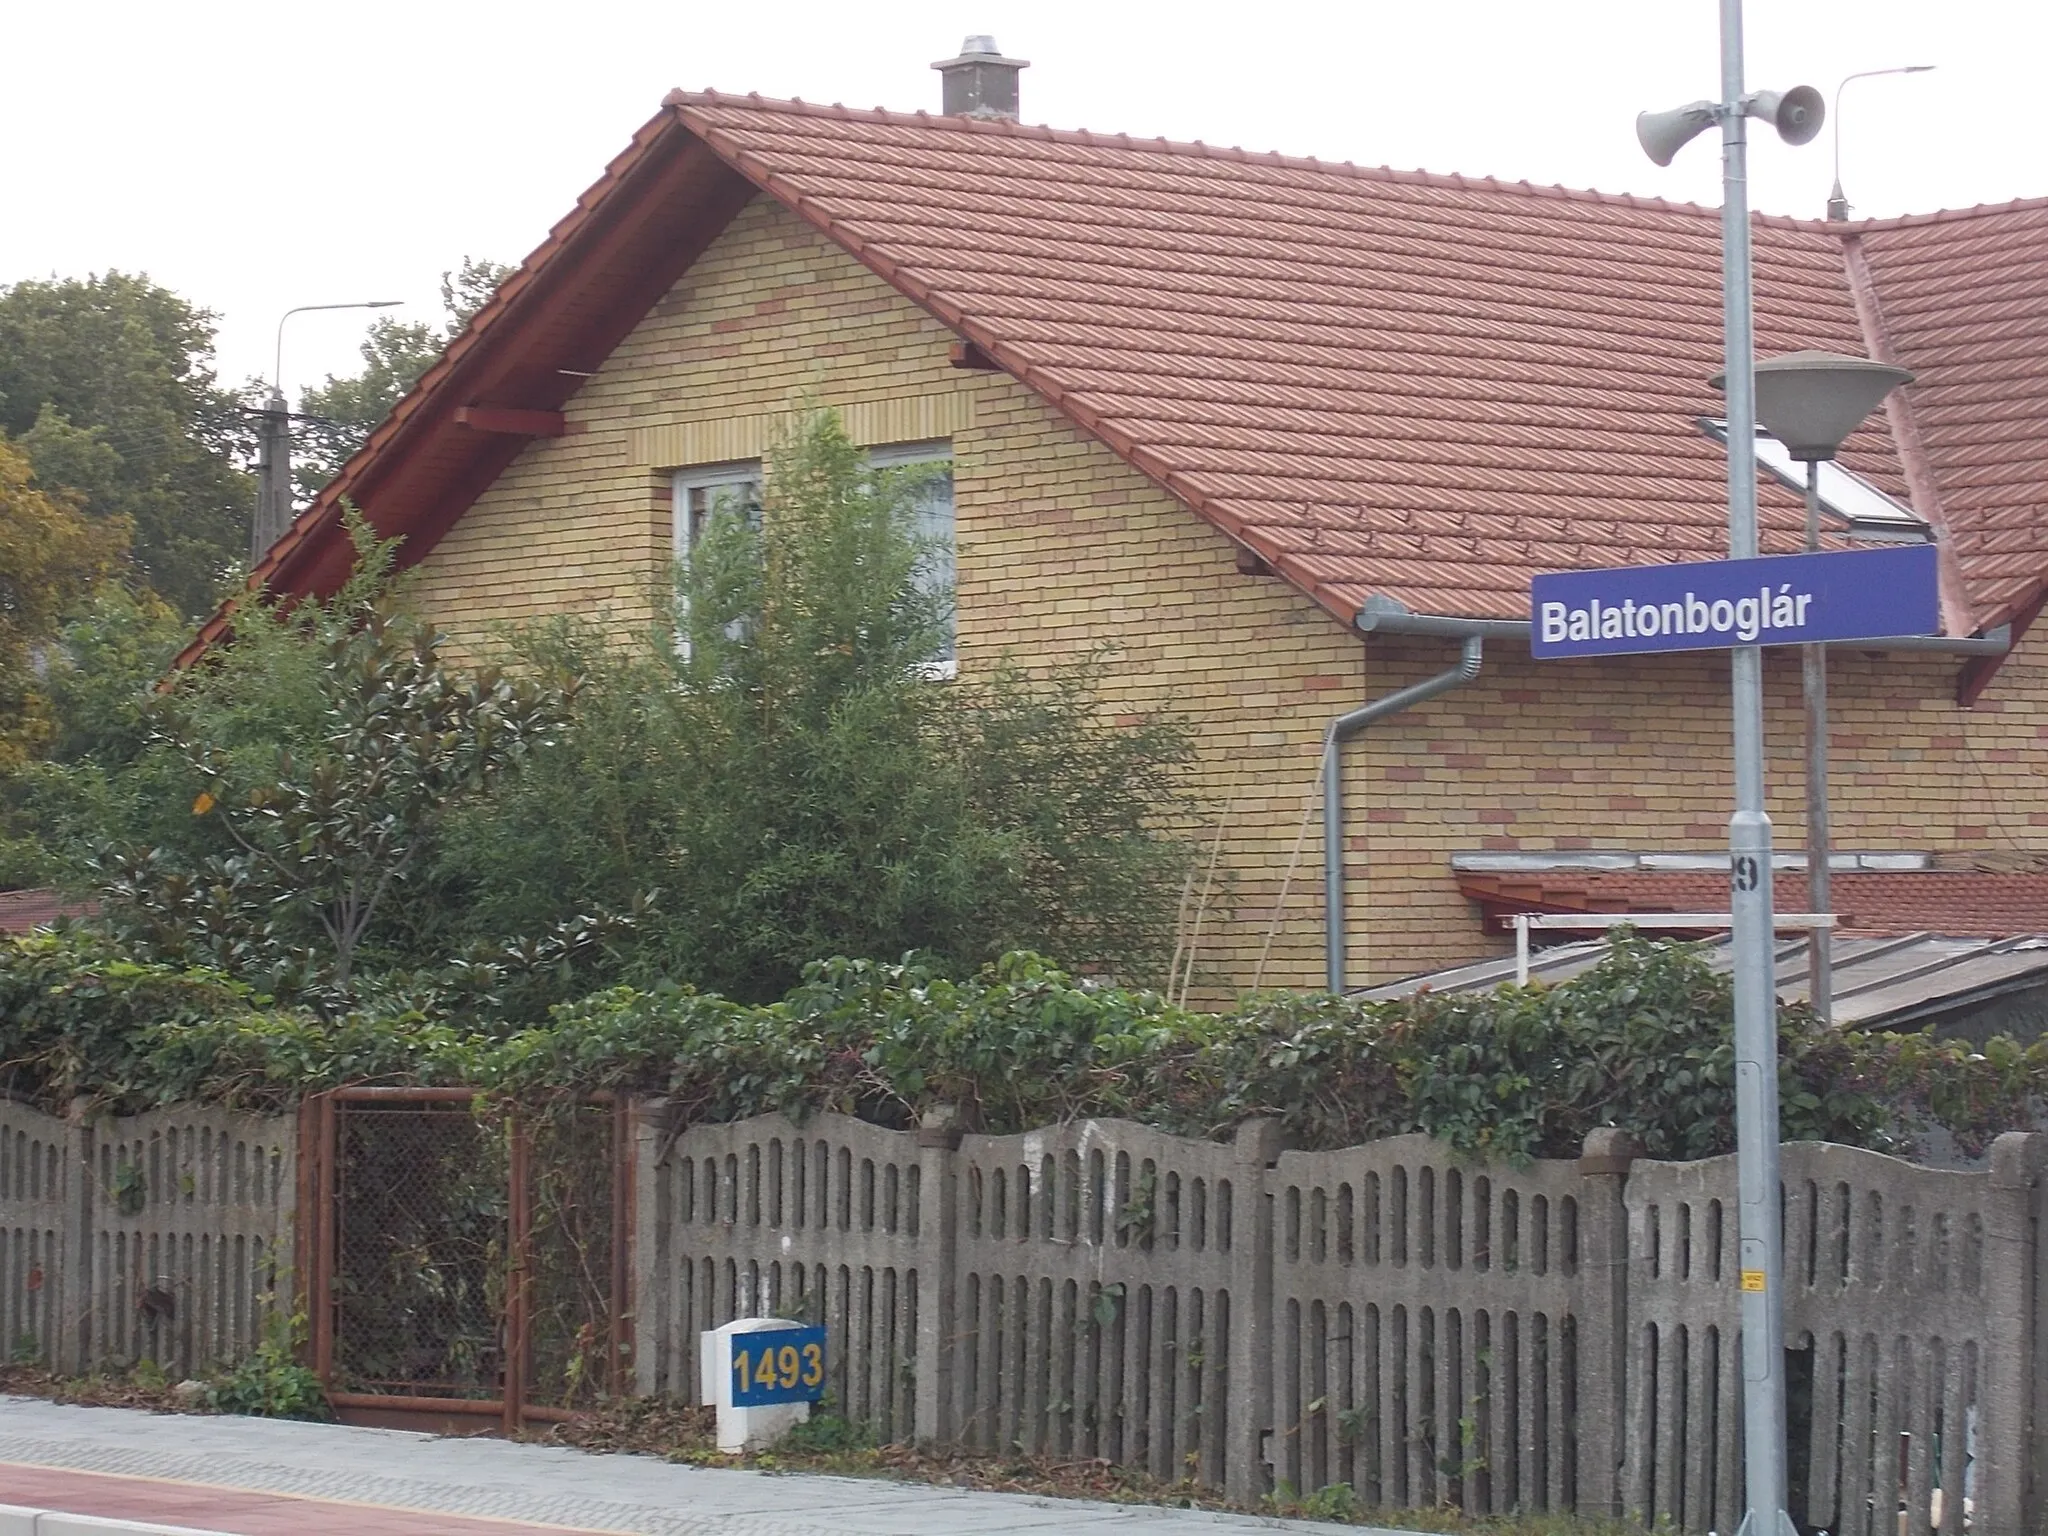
x=1383 y=615
x=1342 y=729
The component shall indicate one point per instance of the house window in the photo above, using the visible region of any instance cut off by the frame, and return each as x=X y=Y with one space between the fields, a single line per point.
x=703 y=492
x=934 y=526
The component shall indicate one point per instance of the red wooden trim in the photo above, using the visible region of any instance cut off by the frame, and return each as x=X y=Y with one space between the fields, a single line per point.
x=511 y=421
x=518 y=1298
x=1975 y=675
x=325 y=1242
x=483 y=1407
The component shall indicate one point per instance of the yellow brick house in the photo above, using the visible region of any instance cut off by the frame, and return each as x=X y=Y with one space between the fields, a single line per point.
x=1290 y=436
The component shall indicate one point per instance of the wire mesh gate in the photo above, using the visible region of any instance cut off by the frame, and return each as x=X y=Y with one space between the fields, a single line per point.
x=466 y=1267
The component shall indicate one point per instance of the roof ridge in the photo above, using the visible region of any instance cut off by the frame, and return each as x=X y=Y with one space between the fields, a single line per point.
x=1199 y=149
x=1943 y=215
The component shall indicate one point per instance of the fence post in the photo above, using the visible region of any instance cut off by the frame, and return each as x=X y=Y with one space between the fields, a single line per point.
x=652 y=1255
x=1603 y=1321
x=1249 y=1385
x=2009 y=1446
x=71 y=1305
x=938 y=1270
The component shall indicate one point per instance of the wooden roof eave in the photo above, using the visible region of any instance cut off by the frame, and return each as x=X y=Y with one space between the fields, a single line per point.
x=529 y=348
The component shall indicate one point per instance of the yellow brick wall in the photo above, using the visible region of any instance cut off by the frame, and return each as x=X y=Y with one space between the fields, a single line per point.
x=1063 y=549
x=1634 y=755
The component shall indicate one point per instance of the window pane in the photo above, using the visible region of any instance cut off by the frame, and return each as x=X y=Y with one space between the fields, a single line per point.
x=933 y=520
x=702 y=499
x=935 y=532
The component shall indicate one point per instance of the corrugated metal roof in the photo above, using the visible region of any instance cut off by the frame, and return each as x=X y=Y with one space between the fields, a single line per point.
x=1879 y=983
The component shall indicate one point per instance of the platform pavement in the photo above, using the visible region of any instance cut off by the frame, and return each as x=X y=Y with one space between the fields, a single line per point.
x=204 y=1466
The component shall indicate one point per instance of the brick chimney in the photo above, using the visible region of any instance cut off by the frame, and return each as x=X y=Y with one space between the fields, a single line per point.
x=981 y=82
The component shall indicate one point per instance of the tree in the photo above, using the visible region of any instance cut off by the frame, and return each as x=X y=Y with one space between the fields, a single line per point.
x=339 y=415
x=107 y=385
x=51 y=556
x=797 y=783
x=324 y=795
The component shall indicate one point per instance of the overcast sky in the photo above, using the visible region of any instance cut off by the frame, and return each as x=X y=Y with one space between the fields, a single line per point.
x=259 y=156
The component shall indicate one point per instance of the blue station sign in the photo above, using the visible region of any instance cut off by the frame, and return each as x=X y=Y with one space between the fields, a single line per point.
x=1854 y=594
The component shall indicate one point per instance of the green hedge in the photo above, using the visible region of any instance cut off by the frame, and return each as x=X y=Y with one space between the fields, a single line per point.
x=1641 y=1041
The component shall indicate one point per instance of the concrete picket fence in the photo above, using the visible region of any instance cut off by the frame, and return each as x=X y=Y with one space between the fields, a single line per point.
x=1558 y=1336
x=1562 y=1335
x=164 y=1236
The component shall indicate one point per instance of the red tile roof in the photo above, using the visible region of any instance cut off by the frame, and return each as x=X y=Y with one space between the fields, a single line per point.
x=1958 y=903
x=1962 y=299
x=1385 y=382
x=22 y=910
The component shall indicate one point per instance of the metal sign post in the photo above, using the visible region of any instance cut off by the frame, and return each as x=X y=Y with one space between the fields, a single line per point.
x=1797 y=115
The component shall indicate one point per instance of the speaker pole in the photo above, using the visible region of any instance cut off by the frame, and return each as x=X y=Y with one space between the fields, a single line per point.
x=1749 y=851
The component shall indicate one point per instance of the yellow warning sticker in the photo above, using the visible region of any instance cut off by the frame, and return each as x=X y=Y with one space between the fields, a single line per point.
x=1752 y=1279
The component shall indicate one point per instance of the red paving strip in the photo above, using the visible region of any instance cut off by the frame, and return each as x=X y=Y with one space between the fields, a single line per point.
x=237 y=1510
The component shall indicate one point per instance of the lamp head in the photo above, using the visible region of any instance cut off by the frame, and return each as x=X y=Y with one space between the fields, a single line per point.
x=1812 y=401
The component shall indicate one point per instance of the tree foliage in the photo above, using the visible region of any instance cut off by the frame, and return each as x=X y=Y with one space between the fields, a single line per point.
x=51 y=556
x=781 y=764
x=107 y=384
x=322 y=799
x=339 y=414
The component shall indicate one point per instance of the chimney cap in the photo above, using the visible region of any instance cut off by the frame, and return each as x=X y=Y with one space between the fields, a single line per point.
x=981 y=82
x=981 y=49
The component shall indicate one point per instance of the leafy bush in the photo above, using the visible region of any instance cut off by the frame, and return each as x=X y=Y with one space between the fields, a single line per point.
x=77 y=1015
x=272 y=1383
x=794 y=782
x=828 y=1434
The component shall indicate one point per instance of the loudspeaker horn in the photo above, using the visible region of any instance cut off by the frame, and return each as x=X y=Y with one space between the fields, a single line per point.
x=1797 y=114
x=1664 y=134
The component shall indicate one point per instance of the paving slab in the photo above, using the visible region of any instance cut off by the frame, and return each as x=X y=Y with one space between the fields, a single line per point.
x=317 y=1473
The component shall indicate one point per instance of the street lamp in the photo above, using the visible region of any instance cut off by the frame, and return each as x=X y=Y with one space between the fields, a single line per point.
x=1838 y=205
x=1810 y=402
x=274 y=445
x=1797 y=115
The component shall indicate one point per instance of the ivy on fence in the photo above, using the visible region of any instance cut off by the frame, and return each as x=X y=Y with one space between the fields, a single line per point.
x=1641 y=1041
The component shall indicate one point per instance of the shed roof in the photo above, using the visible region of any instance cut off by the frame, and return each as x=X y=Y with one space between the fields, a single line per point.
x=1429 y=388
x=22 y=911
x=1878 y=983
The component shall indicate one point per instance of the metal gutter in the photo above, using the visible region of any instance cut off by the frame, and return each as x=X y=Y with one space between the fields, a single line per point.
x=1384 y=615
x=1342 y=729
x=1994 y=642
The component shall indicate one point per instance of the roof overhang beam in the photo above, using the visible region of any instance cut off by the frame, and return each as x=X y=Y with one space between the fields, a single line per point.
x=510 y=422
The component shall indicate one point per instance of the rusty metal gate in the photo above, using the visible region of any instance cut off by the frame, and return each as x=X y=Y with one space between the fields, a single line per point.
x=465 y=1266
